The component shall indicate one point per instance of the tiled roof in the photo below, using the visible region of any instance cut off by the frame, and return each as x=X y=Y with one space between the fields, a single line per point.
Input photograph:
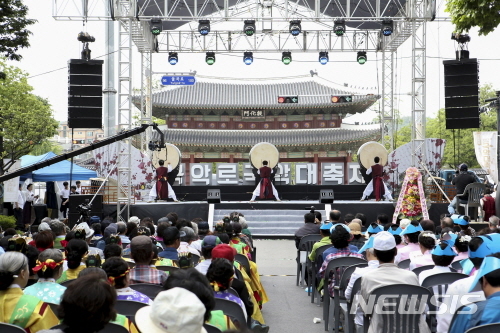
x=300 y=137
x=313 y=93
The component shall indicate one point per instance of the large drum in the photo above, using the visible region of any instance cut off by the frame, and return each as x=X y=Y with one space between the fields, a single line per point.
x=264 y=151
x=368 y=151
x=170 y=154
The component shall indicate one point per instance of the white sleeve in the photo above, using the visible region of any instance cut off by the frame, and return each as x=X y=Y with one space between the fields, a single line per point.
x=258 y=171
x=353 y=279
x=369 y=170
x=169 y=168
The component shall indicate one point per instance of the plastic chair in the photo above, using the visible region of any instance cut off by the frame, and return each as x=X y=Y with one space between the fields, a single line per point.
x=148 y=289
x=475 y=191
x=302 y=256
x=233 y=310
x=233 y=292
x=128 y=308
x=168 y=269
x=238 y=274
x=211 y=329
x=195 y=259
x=345 y=308
x=109 y=328
x=488 y=328
x=8 y=328
x=404 y=264
x=457 y=266
x=438 y=284
x=244 y=261
x=420 y=269
x=315 y=266
x=337 y=268
x=392 y=320
x=67 y=282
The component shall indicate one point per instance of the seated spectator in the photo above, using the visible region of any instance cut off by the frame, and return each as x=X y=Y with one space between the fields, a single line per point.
x=404 y=223
x=198 y=284
x=446 y=222
x=238 y=230
x=236 y=242
x=186 y=240
x=324 y=231
x=141 y=251
x=117 y=271
x=423 y=256
x=463 y=223
x=335 y=217
x=121 y=229
x=220 y=275
x=88 y=305
x=428 y=225
x=410 y=237
x=112 y=250
x=358 y=240
x=49 y=269
x=396 y=231
x=333 y=249
x=388 y=273
x=484 y=312
x=16 y=308
x=309 y=228
x=442 y=256
x=75 y=251
x=83 y=231
x=374 y=228
x=245 y=230
x=207 y=245
x=59 y=231
x=203 y=229
x=131 y=227
x=178 y=309
x=487 y=205
x=359 y=272
x=362 y=218
x=162 y=226
x=111 y=229
x=340 y=239
x=383 y=220
x=493 y=222
x=32 y=254
x=43 y=240
x=348 y=218
x=171 y=241
x=462 y=248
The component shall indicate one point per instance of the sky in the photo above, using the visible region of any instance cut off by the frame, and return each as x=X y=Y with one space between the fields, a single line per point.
x=53 y=43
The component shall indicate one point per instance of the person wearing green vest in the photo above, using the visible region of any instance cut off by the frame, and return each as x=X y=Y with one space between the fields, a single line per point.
x=25 y=311
x=324 y=231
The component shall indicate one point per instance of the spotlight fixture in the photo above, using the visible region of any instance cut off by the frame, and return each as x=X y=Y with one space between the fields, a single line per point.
x=295 y=27
x=210 y=58
x=249 y=27
x=387 y=27
x=323 y=58
x=339 y=27
x=361 y=57
x=204 y=27
x=84 y=37
x=248 y=58
x=155 y=26
x=173 y=58
x=286 y=58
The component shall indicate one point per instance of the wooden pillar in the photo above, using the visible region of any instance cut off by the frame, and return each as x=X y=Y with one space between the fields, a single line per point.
x=346 y=169
x=231 y=158
x=187 y=172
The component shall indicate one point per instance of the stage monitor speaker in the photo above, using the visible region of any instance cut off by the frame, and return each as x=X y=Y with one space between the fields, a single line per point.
x=85 y=93
x=213 y=196
x=326 y=196
x=461 y=91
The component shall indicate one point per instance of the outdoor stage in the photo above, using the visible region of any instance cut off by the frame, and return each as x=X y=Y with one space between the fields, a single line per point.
x=267 y=218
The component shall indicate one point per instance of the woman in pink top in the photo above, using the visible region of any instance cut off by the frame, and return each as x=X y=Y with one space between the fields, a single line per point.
x=410 y=237
x=395 y=230
x=423 y=257
x=462 y=247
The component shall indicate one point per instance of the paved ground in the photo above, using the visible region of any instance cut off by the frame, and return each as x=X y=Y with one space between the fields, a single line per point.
x=289 y=308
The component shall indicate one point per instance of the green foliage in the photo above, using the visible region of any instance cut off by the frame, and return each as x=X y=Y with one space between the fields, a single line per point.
x=7 y=222
x=13 y=32
x=25 y=119
x=466 y=14
x=44 y=147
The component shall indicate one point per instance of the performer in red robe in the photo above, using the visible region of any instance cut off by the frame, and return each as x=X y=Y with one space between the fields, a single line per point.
x=488 y=205
x=265 y=189
x=163 y=188
x=377 y=184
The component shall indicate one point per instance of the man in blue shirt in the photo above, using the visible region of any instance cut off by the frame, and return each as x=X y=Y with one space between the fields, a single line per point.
x=172 y=241
x=484 y=312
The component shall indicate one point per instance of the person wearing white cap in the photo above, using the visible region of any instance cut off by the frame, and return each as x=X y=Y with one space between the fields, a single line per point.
x=88 y=232
x=176 y=310
x=388 y=273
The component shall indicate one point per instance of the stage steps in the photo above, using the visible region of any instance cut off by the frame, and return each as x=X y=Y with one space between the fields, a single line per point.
x=269 y=222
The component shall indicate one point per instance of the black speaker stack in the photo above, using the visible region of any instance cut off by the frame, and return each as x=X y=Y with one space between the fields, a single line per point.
x=461 y=92
x=85 y=93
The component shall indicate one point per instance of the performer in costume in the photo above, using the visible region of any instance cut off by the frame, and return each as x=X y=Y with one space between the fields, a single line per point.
x=265 y=189
x=377 y=184
x=30 y=197
x=163 y=190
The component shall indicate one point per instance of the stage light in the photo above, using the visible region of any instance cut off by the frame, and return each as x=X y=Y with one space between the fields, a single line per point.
x=210 y=58
x=339 y=27
x=248 y=58
x=387 y=27
x=204 y=27
x=323 y=58
x=173 y=58
x=155 y=26
x=362 y=57
x=249 y=27
x=286 y=58
x=461 y=39
x=295 y=27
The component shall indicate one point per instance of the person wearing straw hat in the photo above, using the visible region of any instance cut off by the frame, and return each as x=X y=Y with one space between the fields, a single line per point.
x=483 y=312
x=176 y=310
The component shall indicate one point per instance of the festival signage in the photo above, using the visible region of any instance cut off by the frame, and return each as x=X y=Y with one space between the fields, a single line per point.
x=201 y=173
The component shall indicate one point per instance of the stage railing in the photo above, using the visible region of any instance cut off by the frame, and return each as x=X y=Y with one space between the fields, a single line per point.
x=109 y=193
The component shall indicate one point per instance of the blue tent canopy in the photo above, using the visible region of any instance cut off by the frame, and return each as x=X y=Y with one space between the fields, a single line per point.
x=55 y=172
